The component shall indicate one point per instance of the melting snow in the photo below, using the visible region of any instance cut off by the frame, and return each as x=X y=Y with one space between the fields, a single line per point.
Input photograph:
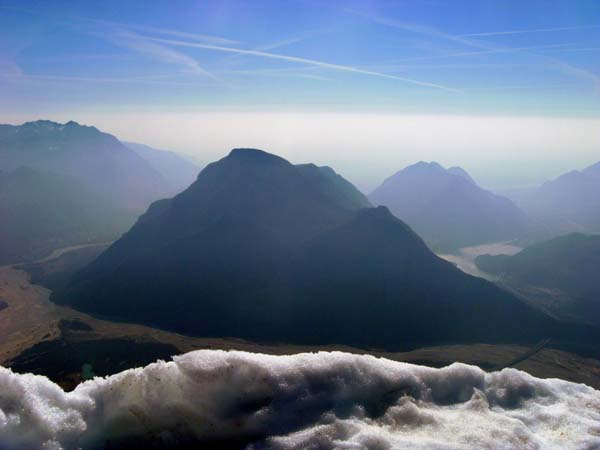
x=311 y=400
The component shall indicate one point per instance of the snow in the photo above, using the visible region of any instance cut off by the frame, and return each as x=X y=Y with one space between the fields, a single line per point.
x=311 y=400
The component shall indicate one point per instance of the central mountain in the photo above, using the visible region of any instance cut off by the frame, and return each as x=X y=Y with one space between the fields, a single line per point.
x=262 y=249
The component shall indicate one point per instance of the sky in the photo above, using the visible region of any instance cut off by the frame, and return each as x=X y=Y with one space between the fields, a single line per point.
x=508 y=89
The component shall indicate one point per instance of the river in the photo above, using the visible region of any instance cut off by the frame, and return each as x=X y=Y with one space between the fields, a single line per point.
x=464 y=259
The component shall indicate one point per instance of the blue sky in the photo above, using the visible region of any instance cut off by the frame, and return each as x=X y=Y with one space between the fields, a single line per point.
x=479 y=58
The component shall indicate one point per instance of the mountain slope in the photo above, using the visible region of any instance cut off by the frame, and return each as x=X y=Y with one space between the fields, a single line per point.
x=99 y=161
x=461 y=172
x=447 y=208
x=176 y=170
x=375 y=282
x=255 y=248
x=562 y=272
x=570 y=199
x=42 y=211
x=222 y=237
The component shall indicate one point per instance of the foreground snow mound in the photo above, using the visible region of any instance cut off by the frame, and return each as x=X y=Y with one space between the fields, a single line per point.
x=305 y=401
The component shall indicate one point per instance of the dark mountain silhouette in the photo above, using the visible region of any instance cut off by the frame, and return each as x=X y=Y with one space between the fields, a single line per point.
x=259 y=248
x=569 y=202
x=99 y=161
x=562 y=272
x=178 y=171
x=447 y=208
x=42 y=211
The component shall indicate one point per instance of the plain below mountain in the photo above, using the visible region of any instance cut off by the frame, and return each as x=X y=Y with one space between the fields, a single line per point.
x=560 y=275
x=261 y=249
x=447 y=207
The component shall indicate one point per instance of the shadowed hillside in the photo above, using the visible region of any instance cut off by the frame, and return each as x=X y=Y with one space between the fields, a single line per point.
x=261 y=249
x=560 y=274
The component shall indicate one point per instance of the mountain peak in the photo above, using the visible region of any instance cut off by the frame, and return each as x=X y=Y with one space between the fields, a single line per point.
x=423 y=165
x=49 y=126
x=254 y=155
x=45 y=124
x=447 y=208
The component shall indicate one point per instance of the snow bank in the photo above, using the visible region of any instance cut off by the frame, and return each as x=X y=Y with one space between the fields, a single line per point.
x=305 y=401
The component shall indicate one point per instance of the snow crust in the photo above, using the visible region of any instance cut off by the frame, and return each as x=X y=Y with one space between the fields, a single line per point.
x=305 y=401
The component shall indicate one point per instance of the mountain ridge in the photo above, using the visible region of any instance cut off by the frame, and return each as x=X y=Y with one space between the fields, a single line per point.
x=448 y=208
x=560 y=274
x=256 y=249
x=85 y=153
x=572 y=197
x=177 y=170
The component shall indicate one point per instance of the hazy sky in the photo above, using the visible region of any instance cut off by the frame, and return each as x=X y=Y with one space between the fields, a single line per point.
x=508 y=89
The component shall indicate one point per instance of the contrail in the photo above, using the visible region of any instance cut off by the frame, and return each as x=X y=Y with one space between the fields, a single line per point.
x=484 y=47
x=490 y=52
x=537 y=30
x=297 y=59
x=159 y=52
x=163 y=31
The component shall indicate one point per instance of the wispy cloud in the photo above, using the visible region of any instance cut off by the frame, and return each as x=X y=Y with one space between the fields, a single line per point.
x=286 y=73
x=521 y=87
x=162 y=31
x=390 y=66
x=579 y=49
x=484 y=48
x=300 y=37
x=418 y=29
x=296 y=59
x=535 y=30
x=493 y=51
x=232 y=60
x=140 y=44
x=157 y=79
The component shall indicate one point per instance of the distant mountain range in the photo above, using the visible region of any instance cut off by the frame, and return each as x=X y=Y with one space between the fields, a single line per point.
x=561 y=275
x=261 y=249
x=447 y=207
x=97 y=160
x=66 y=184
x=569 y=202
x=178 y=171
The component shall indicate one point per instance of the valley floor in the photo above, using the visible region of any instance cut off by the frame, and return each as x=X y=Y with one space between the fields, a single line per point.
x=464 y=259
x=69 y=346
